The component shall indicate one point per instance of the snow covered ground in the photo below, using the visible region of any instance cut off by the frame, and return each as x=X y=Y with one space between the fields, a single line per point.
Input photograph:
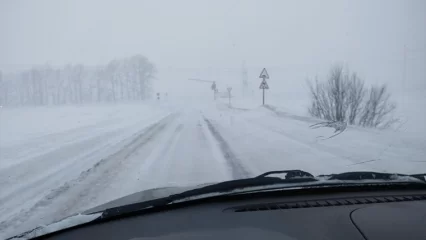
x=55 y=162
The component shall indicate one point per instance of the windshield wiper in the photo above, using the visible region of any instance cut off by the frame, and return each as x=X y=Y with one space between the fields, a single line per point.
x=292 y=176
x=355 y=176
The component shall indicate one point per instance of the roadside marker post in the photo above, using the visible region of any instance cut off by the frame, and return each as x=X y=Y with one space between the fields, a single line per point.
x=229 y=95
x=214 y=90
x=264 y=85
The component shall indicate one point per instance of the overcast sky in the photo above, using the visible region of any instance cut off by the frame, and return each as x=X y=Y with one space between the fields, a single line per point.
x=294 y=40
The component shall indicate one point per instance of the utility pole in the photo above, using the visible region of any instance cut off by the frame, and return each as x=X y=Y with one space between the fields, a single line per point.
x=404 y=71
x=244 y=79
x=407 y=55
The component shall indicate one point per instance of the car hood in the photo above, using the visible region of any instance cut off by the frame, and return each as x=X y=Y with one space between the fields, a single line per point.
x=143 y=196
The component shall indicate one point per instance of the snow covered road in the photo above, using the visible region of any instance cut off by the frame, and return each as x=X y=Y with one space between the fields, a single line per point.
x=170 y=148
x=119 y=151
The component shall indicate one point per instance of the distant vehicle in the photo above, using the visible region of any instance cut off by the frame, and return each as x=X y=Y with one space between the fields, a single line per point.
x=352 y=205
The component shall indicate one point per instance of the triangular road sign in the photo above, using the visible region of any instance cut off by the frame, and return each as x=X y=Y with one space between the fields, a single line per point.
x=264 y=74
x=264 y=85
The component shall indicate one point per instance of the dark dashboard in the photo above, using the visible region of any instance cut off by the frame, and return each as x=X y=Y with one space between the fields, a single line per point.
x=356 y=215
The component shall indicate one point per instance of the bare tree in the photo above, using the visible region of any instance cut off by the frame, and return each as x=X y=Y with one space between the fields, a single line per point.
x=356 y=96
x=112 y=72
x=26 y=85
x=338 y=93
x=3 y=91
x=330 y=99
x=59 y=86
x=144 y=72
x=123 y=79
x=99 y=87
x=36 y=88
x=320 y=106
x=377 y=109
x=342 y=98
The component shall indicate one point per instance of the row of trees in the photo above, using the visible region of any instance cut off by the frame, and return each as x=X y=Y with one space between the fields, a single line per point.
x=119 y=80
x=343 y=97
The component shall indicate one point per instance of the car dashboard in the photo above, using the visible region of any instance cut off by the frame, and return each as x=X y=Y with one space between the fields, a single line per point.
x=351 y=216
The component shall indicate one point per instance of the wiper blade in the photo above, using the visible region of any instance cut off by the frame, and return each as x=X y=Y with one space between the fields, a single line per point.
x=292 y=176
x=354 y=176
x=421 y=176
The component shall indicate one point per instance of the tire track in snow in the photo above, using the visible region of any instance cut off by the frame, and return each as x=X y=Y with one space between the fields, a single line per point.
x=115 y=164
x=139 y=139
x=158 y=161
x=237 y=169
x=170 y=141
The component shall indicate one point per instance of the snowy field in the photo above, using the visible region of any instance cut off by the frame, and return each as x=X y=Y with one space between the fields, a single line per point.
x=58 y=161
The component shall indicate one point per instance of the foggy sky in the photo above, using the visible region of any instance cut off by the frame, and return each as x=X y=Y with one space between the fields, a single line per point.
x=295 y=40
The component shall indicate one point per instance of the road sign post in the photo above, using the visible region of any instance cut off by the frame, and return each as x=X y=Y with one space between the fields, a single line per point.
x=264 y=85
x=229 y=95
x=214 y=90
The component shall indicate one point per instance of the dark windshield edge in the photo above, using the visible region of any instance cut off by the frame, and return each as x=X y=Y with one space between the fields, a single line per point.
x=226 y=188
x=222 y=187
x=276 y=186
x=161 y=204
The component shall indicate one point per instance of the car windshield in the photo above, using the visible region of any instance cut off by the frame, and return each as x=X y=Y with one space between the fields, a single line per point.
x=103 y=99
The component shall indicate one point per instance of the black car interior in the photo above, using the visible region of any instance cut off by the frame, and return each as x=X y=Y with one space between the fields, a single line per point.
x=354 y=213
